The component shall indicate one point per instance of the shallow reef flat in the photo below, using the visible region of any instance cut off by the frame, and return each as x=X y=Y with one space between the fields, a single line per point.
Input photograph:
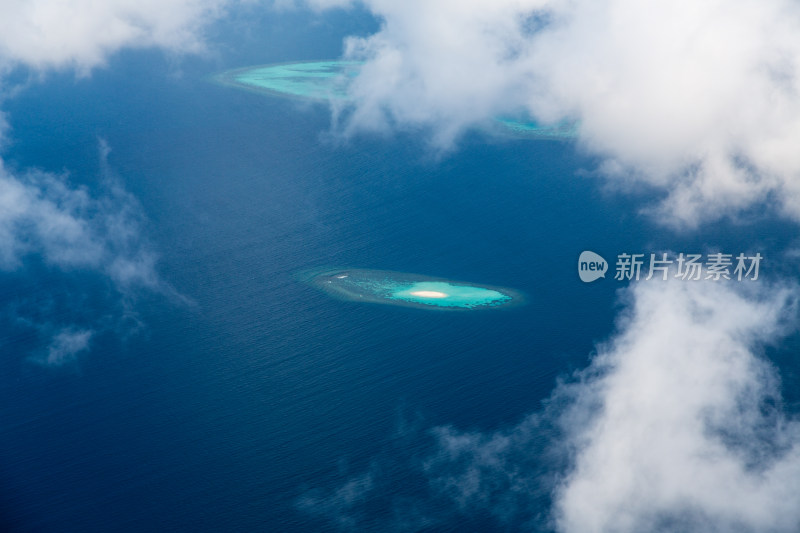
x=315 y=80
x=328 y=80
x=408 y=290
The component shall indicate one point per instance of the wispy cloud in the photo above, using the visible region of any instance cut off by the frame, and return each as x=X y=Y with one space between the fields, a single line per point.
x=340 y=504
x=42 y=215
x=69 y=231
x=65 y=347
x=371 y=501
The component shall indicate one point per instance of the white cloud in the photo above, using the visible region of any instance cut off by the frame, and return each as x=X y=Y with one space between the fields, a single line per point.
x=81 y=34
x=449 y=64
x=697 y=98
x=678 y=423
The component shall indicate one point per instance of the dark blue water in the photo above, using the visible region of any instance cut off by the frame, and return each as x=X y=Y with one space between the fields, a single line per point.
x=220 y=413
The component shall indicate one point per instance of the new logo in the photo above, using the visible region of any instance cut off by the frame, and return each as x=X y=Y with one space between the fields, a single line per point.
x=591 y=266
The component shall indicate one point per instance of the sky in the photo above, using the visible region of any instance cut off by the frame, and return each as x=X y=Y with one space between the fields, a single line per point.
x=695 y=103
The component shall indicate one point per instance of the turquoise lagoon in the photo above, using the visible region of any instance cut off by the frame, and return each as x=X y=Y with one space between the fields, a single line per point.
x=409 y=290
x=327 y=80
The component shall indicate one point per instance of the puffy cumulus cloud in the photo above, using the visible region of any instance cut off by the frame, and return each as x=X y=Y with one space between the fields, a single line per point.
x=677 y=424
x=698 y=99
x=448 y=64
x=80 y=34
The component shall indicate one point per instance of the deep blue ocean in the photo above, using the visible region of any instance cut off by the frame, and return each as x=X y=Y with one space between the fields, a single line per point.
x=225 y=407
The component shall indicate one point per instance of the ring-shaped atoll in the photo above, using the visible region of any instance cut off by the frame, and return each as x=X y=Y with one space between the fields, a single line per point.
x=315 y=80
x=328 y=80
x=408 y=290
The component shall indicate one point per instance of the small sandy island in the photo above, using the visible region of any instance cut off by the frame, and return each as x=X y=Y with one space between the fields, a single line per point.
x=429 y=294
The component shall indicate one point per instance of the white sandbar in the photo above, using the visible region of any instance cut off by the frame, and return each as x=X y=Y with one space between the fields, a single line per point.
x=429 y=294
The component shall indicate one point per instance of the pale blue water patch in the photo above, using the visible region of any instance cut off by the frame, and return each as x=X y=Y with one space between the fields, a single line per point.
x=409 y=290
x=328 y=80
x=442 y=294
